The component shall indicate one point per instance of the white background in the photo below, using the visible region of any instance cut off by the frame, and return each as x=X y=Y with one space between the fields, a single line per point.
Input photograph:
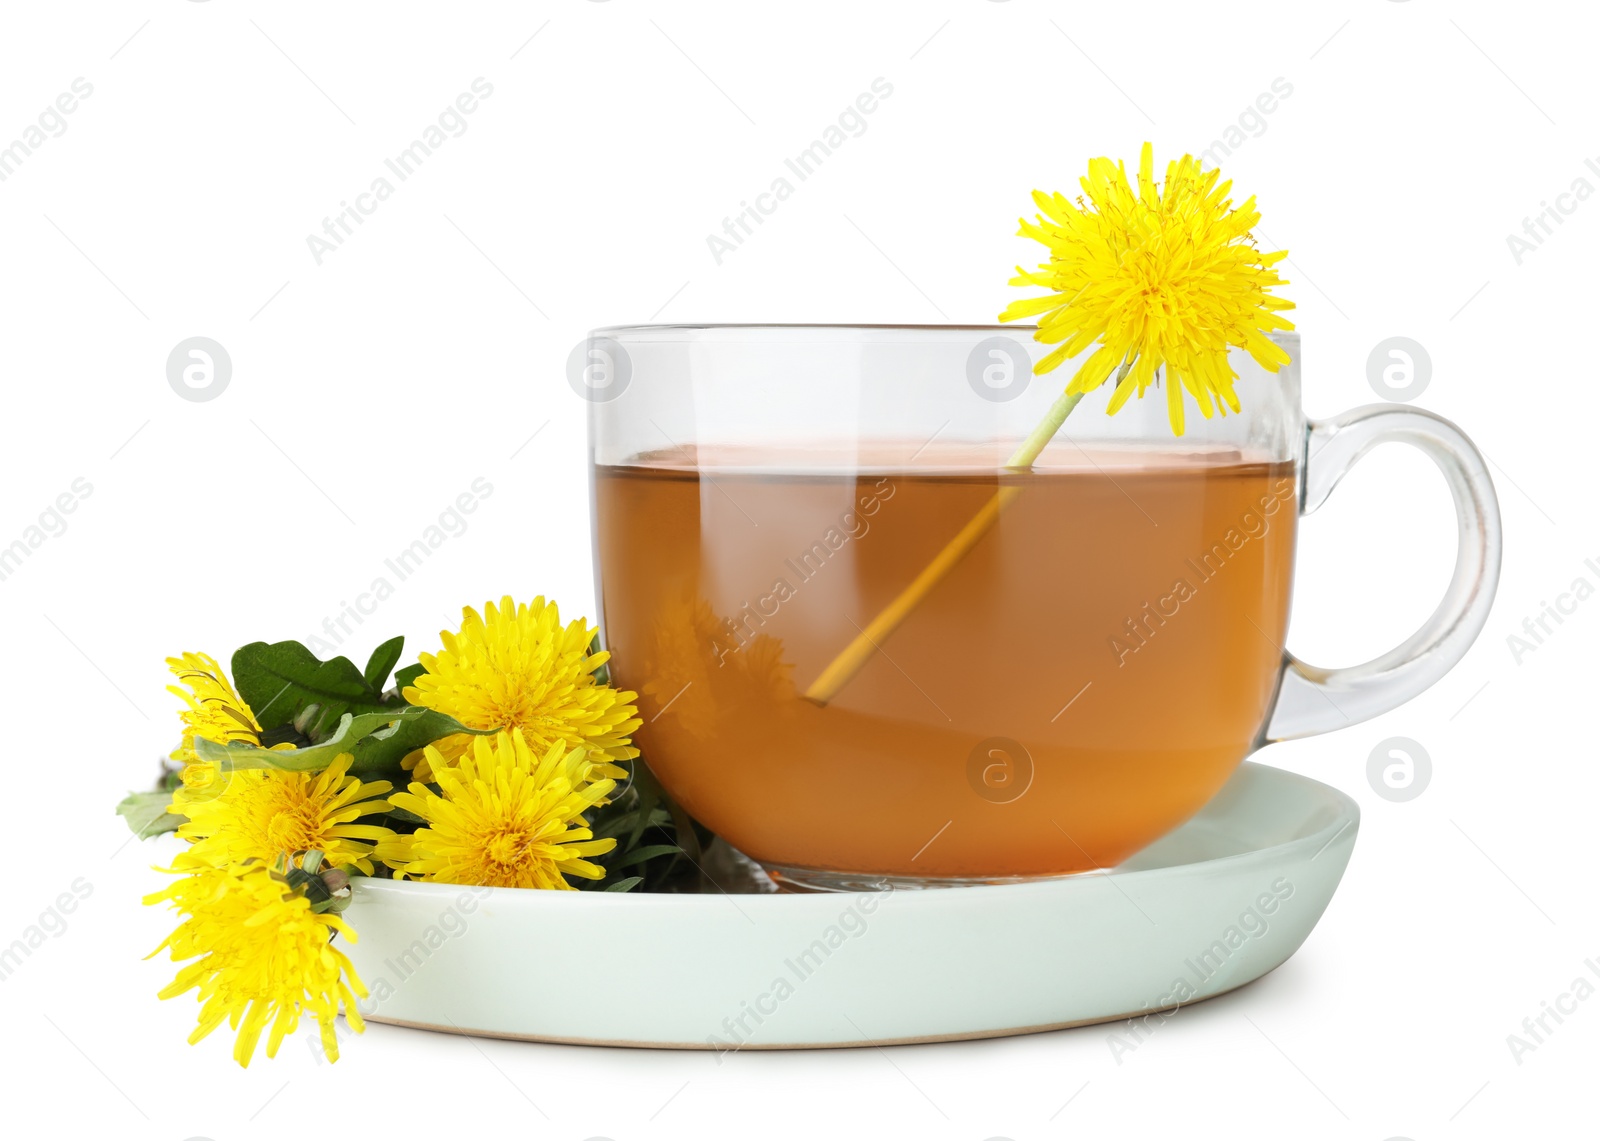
x=372 y=389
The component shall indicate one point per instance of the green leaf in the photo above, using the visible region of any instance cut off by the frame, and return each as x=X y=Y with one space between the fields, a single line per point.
x=627 y=827
x=625 y=885
x=313 y=758
x=285 y=735
x=408 y=676
x=683 y=826
x=648 y=852
x=146 y=814
x=280 y=679
x=387 y=747
x=649 y=792
x=382 y=661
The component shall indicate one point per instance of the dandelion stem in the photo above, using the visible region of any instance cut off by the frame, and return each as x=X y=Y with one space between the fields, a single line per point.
x=1046 y=429
x=849 y=662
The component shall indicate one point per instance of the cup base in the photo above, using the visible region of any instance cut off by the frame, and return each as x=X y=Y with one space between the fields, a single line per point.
x=794 y=879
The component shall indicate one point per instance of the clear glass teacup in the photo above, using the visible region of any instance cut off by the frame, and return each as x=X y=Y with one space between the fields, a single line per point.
x=870 y=654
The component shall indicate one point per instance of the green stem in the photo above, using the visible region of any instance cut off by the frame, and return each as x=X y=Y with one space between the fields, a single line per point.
x=1051 y=424
x=867 y=642
x=1045 y=431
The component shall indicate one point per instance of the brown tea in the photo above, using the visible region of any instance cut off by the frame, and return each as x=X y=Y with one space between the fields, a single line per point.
x=1082 y=681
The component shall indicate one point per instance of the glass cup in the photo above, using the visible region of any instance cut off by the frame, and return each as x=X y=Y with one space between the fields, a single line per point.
x=869 y=653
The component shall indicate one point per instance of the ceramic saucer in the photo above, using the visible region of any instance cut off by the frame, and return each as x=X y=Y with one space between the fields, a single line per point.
x=1212 y=906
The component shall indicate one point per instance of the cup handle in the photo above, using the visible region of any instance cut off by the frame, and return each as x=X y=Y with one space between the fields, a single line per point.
x=1314 y=700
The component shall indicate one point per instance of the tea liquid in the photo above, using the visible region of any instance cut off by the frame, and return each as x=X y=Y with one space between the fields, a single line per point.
x=1085 y=678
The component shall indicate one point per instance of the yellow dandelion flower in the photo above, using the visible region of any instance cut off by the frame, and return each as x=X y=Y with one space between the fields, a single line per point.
x=504 y=817
x=1165 y=276
x=263 y=814
x=261 y=956
x=517 y=667
x=215 y=713
x=215 y=710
